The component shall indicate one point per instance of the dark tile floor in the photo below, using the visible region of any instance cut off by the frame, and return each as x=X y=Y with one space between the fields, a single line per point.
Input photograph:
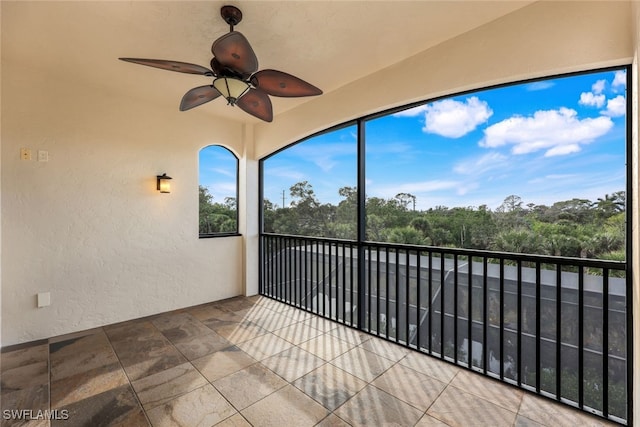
x=253 y=361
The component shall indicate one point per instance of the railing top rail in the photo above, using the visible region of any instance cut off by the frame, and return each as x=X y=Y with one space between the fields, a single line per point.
x=573 y=261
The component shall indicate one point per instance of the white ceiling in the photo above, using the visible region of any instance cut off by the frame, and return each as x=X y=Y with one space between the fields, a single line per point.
x=327 y=43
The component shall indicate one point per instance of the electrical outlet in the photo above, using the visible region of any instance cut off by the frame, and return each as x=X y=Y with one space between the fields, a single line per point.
x=25 y=154
x=43 y=156
x=44 y=299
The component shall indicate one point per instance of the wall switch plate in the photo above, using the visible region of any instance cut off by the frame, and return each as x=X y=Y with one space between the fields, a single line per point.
x=25 y=154
x=44 y=299
x=43 y=156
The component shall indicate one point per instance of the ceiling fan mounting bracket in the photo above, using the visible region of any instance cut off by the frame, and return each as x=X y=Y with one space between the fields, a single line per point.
x=231 y=15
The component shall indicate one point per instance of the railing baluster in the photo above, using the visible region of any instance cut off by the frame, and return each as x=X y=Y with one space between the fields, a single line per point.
x=581 y=337
x=470 y=311
x=442 y=304
x=307 y=269
x=337 y=287
x=323 y=280
x=397 y=272
x=430 y=302
x=281 y=269
x=318 y=280
x=558 y=331
x=344 y=283
x=378 y=290
x=330 y=259
x=407 y=284
x=287 y=261
x=418 y=299
x=351 y=283
x=605 y=342
x=502 y=318
x=455 y=308
x=519 y=326
x=485 y=315
x=369 y=288
x=386 y=272
x=538 y=330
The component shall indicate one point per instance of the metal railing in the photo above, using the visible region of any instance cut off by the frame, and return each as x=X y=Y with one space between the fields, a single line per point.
x=551 y=325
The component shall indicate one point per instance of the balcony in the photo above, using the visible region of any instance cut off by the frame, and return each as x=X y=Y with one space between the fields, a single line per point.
x=254 y=361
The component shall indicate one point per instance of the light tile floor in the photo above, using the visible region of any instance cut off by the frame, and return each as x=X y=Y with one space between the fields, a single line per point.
x=254 y=361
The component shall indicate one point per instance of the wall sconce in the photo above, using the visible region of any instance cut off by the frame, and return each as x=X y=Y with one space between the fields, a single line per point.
x=164 y=186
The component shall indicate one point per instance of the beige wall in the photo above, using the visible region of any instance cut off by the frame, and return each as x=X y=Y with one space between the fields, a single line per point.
x=88 y=225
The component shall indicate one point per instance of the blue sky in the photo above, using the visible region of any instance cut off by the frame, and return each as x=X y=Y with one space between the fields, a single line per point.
x=217 y=168
x=545 y=141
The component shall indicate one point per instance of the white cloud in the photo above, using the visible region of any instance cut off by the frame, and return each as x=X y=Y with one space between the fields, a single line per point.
x=558 y=132
x=223 y=171
x=619 y=80
x=411 y=112
x=480 y=165
x=453 y=119
x=541 y=85
x=591 y=100
x=598 y=87
x=562 y=150
x=324 y=156
x=221 y=190
x=450 y=118
x=616 y=107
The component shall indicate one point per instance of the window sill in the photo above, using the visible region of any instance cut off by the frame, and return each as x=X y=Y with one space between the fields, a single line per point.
x=214 y=235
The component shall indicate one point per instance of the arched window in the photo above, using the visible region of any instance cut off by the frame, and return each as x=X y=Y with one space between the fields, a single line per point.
x=218 y=192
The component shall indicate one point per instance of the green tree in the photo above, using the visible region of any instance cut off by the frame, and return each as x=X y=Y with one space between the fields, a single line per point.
x=216 y=217
x=406 y=235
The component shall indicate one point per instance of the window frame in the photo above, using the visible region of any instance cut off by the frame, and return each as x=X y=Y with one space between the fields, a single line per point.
x=237 y=192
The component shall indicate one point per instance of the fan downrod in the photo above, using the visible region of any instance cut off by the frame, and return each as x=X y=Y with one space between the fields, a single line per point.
x=231 y=15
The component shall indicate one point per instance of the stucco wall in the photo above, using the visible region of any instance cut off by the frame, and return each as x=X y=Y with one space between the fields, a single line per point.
x=88 y=225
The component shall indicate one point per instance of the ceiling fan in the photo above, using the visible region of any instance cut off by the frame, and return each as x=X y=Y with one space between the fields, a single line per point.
x=236 y=77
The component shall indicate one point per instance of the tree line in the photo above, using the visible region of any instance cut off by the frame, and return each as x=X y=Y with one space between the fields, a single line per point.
x=573 y=228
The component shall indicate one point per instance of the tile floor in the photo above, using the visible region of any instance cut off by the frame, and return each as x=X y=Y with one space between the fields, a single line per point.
x=254 y=361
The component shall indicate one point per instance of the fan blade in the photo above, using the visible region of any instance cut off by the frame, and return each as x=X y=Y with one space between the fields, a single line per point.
x=278 y=83
x=181 y=67
x=198 y=96
x=256 y=103
x=234 y=51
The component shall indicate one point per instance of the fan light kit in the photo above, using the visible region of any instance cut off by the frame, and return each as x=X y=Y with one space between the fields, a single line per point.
x=236 y=77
